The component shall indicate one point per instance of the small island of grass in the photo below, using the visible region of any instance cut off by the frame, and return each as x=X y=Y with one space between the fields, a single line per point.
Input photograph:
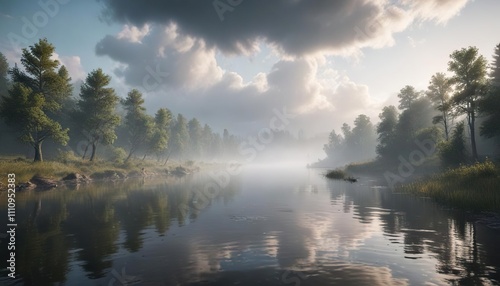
x=338 y=174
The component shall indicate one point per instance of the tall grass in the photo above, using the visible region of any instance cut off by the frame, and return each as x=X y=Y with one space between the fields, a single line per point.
x=474 y=187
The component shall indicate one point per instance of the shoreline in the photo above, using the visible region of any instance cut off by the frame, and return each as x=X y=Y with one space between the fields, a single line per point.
x=473 y=187
x=48 y=175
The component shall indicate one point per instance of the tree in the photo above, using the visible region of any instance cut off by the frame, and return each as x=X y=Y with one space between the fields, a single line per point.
x=469 y=77
x=96 y=110
x=386 y=130
x=24 y=109
x=439 y=93
x=139 y=124
x=159 y=139
x=4 y=70
x=363 y=138
x=411 y=120
x=407 y=96
x=334 y=142
x=495 y=68
x=43 y=76
x=490 y=105
x=454 y=152
x=207 y=138
x=346 y=131
x=195 y=137
x=48 y=87
x=180 y=136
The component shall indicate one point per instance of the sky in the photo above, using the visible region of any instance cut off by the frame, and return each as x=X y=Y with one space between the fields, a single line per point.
x=236 y=64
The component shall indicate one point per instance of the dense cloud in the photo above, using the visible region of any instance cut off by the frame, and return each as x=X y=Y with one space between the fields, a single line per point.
x=295 y=27
x=168 y=49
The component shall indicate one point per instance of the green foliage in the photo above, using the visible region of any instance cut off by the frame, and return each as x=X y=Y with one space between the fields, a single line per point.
x=469 y=77
x=42 y=76
x=490 y=107
x=140 y=125
x=24 y=109
x=438 y=92
x=386 y=131
x=354 y=144
x=454 y=152
x=66 y=156
x=96 y=110
x=4 y=81
x=158 y=141
x=195 y=137
x=118 y=155
x=180 y=136
x=490 y=104
x=397 y=134
x=470 y=187
x=407 y=96
x=38 y=93
x=495 y=68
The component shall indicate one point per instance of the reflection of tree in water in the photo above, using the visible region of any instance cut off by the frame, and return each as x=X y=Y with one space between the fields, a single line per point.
x=42 y=250
x=425 y=227
x=89 y=219
x=94 y=227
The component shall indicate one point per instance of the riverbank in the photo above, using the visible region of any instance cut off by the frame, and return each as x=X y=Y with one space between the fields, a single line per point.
x=46 y=174
x=471 y=187
x=474 y=187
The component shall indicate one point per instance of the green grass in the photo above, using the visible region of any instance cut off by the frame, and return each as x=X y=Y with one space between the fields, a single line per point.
x=475 y=187
x=25 y=169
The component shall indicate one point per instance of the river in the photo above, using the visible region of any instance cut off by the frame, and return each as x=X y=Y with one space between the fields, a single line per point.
x=269 y=225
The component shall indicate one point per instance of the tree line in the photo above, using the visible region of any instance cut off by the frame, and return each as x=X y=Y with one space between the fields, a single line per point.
x=37 y=104
x=452 y=108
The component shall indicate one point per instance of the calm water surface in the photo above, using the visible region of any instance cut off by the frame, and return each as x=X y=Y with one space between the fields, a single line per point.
x=269 y=226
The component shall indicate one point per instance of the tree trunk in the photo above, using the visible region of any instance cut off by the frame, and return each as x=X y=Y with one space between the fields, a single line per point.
x=38 y=152
x=168 y=156
x=445 y=120
x=94 y=147
x=144 y=158
x=85 y=152
x=129 y=155
x=473 y=137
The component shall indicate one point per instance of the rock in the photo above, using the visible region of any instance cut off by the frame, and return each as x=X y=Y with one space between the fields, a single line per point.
x=78 y=178
x=43 y=183
x=25 y=186
x=135 y=174
x=180 y=171
x=108 y=175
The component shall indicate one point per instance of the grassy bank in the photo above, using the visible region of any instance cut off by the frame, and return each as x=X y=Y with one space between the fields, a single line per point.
x=25 y=169
x=475 y=187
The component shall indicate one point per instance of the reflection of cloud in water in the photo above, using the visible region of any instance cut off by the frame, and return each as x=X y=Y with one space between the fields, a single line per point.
x=333 y=236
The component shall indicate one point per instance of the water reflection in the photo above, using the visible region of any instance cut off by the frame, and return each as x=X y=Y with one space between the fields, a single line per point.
x=268 y=227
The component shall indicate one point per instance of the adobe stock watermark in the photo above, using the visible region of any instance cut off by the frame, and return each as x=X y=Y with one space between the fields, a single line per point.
x=30 y=27
x=122 y=279
x=249 y=149
x=406 y=167
x=223 y=6
x=153 y=78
